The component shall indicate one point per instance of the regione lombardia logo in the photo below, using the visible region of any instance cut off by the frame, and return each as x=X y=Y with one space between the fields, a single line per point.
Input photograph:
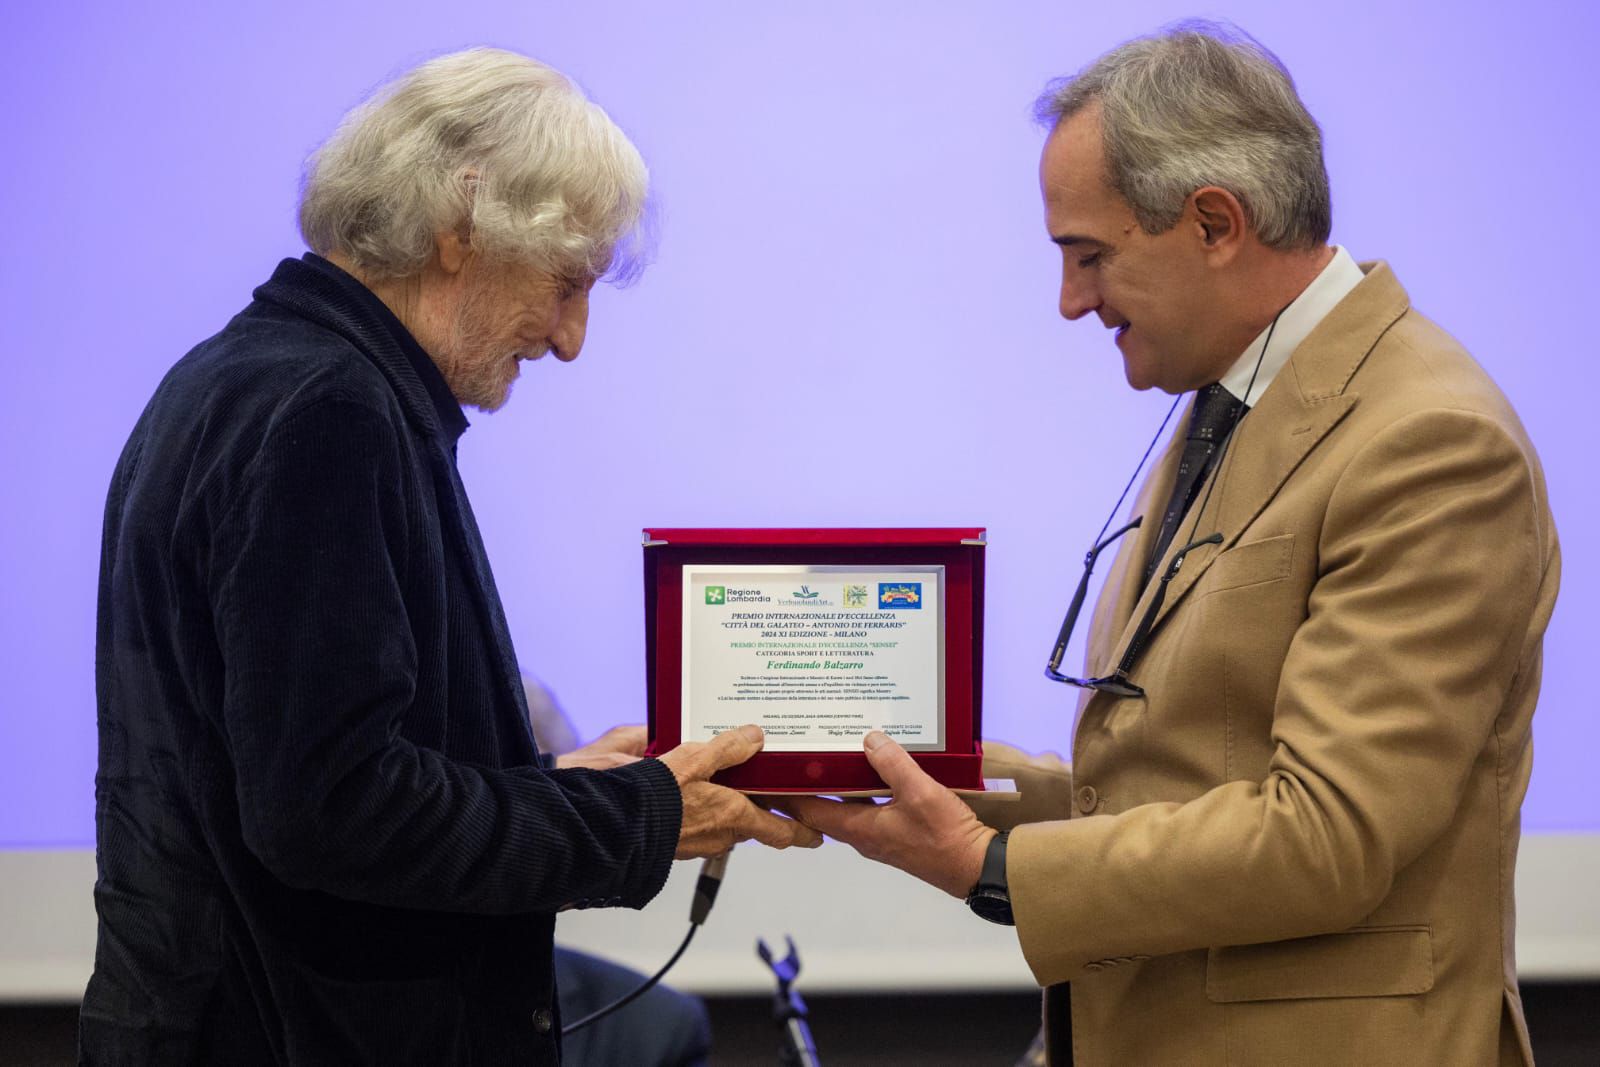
x=716 y=594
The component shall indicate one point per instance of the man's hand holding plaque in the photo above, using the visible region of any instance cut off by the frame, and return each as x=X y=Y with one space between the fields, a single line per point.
x=617 y=747
x=926 y=830
x=715 y=818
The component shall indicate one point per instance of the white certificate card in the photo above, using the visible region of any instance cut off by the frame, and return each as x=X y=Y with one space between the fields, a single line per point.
x=816 y=656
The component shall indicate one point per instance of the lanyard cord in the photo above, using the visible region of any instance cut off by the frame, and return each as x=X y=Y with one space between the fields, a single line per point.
x=1244 y=408
x=1151 y=447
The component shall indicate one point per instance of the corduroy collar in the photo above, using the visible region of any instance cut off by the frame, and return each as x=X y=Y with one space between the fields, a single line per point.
x=313 y=287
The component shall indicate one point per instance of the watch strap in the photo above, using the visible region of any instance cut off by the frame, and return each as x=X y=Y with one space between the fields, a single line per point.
x=991 y=897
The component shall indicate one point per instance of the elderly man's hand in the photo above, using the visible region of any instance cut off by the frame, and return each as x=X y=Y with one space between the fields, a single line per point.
x=715 y=818
x=617 y=747
x=925 y=830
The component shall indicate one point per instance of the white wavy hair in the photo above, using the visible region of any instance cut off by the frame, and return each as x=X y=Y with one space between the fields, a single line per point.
x=486 y=143
x=1204 y=103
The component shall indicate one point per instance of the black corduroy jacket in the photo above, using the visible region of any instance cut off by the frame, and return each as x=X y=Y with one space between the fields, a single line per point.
x=325 y=834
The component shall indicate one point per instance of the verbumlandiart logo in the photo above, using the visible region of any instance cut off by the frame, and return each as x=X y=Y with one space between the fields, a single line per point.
x=899 y=595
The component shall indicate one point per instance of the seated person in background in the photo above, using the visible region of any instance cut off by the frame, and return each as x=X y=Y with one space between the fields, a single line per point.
x=663 y=1028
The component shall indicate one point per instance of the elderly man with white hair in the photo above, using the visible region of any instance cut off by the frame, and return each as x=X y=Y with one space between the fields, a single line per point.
x=326 y=834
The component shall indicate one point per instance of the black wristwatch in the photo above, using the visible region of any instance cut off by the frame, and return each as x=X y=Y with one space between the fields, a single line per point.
x=990 y=898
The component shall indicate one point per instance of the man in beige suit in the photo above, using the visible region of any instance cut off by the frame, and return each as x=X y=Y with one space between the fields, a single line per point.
x=1289 y=828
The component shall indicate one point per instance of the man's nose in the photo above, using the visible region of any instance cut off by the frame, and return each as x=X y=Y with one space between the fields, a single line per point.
x=567 y=339
x=1078 y=297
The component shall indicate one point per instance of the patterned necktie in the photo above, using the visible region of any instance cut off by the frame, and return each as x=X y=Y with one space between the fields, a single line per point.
x=1215 y=412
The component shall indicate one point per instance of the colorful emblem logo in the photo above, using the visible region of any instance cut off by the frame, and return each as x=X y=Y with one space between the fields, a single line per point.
x=899 y=595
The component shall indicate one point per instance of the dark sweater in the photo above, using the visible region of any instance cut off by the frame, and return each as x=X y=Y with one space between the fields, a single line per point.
x=325 y=833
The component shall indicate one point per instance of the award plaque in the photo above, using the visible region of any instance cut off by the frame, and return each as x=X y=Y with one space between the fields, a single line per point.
x=818 y=636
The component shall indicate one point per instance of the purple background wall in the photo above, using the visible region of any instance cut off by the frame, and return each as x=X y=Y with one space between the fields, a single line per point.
x=851 y=320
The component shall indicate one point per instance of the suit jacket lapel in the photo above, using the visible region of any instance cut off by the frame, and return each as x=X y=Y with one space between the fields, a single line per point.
x=1308 y=399
x=1269 y=444
x=463 y=527
x=310 y=293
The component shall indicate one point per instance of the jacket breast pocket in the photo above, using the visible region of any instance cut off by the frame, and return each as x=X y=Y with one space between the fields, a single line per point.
x=1366 y=961
x=1254 y=563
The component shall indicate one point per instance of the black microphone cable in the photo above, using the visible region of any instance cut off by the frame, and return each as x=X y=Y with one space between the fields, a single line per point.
x=705 y=894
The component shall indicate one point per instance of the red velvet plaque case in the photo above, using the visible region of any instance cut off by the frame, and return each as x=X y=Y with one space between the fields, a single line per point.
x=959 y=762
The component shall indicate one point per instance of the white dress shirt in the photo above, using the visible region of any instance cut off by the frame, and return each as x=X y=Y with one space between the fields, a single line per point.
x=1295 y=324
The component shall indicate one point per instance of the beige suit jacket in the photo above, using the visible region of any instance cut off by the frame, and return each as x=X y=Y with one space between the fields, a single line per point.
x=1299 y=846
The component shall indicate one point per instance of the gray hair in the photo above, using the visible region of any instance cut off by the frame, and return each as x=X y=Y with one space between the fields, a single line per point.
x=1197 y=104
x=489 y=144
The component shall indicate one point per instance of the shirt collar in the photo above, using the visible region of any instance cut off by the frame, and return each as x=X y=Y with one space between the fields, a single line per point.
x=451 y=418
x=1341 y=275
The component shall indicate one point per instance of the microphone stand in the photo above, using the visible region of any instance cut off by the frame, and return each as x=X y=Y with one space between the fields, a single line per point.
x=788 y=1009
x=705 y=894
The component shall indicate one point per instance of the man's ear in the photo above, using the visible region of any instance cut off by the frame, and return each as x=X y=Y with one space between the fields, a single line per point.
x=1220 y=219
x=454 y=249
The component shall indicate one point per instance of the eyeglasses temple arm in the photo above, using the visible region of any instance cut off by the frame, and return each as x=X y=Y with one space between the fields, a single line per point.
x=1068 y=623
x=1146 y=624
